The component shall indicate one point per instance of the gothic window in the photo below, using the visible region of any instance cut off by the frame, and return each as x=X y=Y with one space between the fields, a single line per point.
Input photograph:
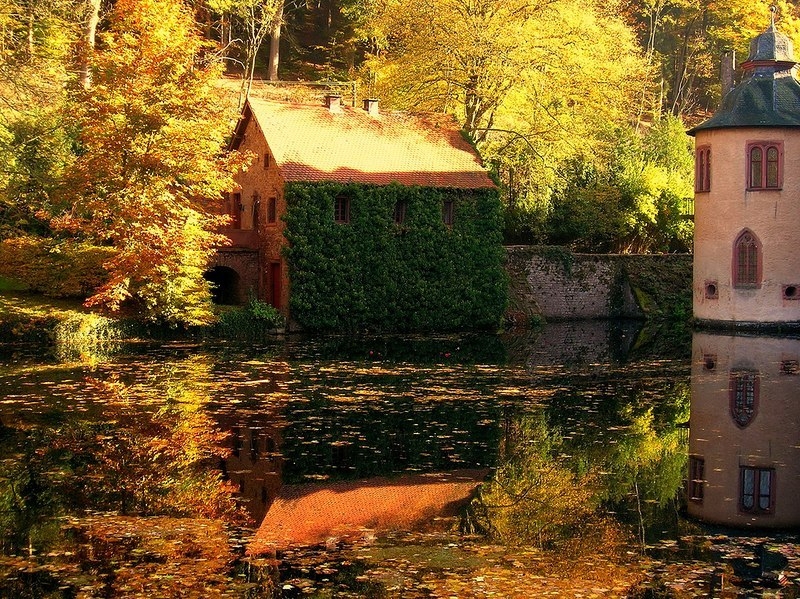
x=747 y=260
x=744 y=392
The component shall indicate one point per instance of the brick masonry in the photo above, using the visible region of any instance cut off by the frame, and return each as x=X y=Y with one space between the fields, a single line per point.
x=554 y=284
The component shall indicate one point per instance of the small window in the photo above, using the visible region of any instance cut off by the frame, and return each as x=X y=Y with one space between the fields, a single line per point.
x=341 y=209
x=790 y=367
x=235 y=210
x=744 y=394
x=711 y=290
x=447 y=212
x=747 y=261
x=272 y=204
x=709 y=362
x=266 y=160
x=697 y=466
x=757 y=490
x=255 y=209
x=400 y=212
x=764 y=165
x=790 y=292
x=702 y=169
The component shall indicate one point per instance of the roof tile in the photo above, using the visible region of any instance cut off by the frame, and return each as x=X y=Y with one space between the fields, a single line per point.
x=311 y=143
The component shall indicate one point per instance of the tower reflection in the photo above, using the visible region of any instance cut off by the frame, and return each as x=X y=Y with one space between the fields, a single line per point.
x=744 y=444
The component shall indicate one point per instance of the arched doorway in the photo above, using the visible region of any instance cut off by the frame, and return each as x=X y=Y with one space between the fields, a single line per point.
x=225 y=285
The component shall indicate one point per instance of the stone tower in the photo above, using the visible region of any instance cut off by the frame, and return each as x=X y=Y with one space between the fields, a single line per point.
x=747 y=196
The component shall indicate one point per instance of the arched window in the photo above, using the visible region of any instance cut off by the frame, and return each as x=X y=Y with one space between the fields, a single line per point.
x=747 y=261
x=743 y=391
x=702 y=169
x=765 y=165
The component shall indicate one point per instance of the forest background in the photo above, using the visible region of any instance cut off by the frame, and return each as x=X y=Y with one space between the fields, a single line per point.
x=114 y=121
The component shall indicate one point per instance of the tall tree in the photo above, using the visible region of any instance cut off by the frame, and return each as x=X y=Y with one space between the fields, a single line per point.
x=150 y=167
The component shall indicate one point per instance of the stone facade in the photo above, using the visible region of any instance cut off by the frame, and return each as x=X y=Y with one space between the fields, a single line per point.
x=551 y=283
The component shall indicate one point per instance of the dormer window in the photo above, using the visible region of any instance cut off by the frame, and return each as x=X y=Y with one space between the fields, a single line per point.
x=702 y=169
x=764 y=165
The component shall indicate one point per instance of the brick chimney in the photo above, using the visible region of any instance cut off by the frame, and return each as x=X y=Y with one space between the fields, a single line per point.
x=333 y=102
x=371 y=105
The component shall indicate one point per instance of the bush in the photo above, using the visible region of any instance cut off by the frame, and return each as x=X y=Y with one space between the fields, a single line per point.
x=256 y=319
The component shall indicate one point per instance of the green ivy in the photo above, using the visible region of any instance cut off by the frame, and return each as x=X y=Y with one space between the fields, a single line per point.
x=373 y=274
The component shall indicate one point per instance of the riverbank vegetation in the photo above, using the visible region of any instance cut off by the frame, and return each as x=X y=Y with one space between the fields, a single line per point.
x=113 y=124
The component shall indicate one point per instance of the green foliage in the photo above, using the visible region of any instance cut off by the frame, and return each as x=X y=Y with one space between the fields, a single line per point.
x=376 y=275
x=630 y=201
x=55 y=268
x=255 y=320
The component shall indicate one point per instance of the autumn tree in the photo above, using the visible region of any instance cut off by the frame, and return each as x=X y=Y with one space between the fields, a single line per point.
x=149 y=167
x=685 y=40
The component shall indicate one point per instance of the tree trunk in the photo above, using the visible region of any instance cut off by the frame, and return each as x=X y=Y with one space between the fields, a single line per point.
x=275 y=45
x=90 y=34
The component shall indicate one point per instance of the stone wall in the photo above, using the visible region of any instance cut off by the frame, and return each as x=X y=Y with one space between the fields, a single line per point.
x=552 y=283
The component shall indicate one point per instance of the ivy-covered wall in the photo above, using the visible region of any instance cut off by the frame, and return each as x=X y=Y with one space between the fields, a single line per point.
x=373 y=274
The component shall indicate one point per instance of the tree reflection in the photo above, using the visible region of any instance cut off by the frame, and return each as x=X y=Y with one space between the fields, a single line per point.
x=123 y=493
x=583 y=492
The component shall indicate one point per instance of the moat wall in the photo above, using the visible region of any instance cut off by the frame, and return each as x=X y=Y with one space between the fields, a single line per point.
x=552 y=283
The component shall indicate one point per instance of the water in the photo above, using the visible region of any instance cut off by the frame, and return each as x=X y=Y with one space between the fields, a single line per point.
x=562 y=462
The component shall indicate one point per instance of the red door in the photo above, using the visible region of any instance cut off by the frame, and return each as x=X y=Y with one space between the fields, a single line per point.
x=275 y=283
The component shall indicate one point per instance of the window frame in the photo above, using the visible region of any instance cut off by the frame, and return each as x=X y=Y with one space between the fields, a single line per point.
x=702 y=169
x=758 y=473
x=696 y=482
x=272 y=210
x=749 y=274
x=764 y=182
x=400 y=210
x=745 y=383
x=448 y=212
x=341 y=209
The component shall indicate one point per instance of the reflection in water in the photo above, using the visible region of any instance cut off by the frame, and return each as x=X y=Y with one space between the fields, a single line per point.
x=119 y=477
x=744 y=467
x=316 y=513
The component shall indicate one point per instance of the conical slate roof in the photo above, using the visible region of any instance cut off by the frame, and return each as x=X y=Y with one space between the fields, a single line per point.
x=769 y=94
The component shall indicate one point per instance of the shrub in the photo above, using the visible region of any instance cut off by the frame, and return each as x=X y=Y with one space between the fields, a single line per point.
x=255 y=319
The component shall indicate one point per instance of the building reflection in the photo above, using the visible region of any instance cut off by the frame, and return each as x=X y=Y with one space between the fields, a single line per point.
x=744 y=447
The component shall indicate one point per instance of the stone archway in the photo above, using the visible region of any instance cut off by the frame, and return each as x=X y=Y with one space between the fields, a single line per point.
x=225 y=285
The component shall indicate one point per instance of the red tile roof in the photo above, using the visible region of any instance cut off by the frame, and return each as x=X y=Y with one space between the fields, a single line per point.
x=311 y=143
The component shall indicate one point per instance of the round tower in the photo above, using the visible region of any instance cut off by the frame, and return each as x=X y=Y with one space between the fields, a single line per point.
x=747 y=195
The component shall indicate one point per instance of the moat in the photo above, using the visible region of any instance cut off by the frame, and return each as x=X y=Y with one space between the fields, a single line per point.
x=587 y=459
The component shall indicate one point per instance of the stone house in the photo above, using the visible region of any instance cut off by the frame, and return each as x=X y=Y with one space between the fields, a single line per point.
x=349 y=160
x=747 y=181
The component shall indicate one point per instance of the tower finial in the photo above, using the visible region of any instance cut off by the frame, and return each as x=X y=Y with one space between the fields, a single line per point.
x=774 y=10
